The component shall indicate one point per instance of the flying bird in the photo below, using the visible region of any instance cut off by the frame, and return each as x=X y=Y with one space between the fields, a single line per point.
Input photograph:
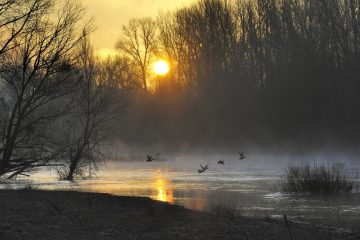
x=242 y=155
x=149 y=158
x=203 y=169
x=222 y=162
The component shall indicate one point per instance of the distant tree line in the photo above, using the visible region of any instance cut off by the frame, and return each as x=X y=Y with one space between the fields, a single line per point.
x=241 y=70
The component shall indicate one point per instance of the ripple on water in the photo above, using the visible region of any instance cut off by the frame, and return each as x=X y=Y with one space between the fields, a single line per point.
x=276 y=196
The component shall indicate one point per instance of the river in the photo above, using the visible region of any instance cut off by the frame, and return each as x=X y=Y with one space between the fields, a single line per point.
x=251 y=186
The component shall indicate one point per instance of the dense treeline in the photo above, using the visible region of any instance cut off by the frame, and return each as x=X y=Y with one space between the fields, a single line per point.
x=262 y=70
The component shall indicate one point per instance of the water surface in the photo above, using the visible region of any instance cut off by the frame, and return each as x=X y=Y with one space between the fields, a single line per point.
x=251 y=187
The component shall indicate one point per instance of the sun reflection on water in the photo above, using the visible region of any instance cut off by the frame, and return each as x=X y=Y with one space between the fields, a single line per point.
x=163 y=189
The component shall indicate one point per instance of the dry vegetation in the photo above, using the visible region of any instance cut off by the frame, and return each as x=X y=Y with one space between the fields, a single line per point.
x=319 y=178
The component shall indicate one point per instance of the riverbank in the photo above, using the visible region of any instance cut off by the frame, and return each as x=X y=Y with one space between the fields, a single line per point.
x=36 y=215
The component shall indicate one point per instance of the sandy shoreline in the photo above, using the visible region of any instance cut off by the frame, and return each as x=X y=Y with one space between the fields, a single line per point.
x=37 y=215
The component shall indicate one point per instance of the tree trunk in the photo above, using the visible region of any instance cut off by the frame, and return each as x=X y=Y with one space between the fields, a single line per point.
x=144 y=81
x=73 y=166
x=5 y=162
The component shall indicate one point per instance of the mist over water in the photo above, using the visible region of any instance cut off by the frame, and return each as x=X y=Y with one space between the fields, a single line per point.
x=251 y=185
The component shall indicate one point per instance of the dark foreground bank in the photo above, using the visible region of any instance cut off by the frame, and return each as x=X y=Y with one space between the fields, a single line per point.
x=36 y=215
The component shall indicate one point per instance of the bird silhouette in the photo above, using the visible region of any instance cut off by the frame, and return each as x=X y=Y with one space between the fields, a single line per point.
x=242 y=155
x=149 y=158
x=222 y=162
x=203 y=169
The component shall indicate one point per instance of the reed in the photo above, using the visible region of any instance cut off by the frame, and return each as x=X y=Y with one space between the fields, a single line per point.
x=319 y=178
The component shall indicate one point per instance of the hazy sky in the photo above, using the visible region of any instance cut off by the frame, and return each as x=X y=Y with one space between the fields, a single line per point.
x=111 y=14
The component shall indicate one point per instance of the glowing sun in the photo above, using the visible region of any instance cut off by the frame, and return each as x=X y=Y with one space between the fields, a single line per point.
x=161 y=67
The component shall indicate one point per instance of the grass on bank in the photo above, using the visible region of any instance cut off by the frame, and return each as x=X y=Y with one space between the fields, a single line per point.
x=228 y=211
x=319 y=178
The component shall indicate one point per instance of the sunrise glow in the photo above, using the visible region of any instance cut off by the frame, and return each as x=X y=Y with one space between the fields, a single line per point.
x=161 y=67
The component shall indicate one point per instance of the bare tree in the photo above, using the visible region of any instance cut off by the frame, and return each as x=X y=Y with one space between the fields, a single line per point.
x=119 y=71
x=96 y=103
x=38 y=73
x=15 y=17
x=175 y=46
x=139 y=43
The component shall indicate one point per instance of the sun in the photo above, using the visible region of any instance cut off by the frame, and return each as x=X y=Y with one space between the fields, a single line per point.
x=161 y=67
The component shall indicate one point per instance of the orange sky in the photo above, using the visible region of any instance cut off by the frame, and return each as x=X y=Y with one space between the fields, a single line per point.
x=111 y=14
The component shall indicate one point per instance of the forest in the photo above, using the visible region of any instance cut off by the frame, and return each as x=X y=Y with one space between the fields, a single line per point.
x=262 y=72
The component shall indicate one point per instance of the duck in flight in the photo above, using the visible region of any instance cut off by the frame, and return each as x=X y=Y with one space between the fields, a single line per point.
x=242 y=155
x=222 y=162
x=203 y=169
x=149 y=158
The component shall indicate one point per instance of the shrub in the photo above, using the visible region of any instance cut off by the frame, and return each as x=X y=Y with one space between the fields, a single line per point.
x=318 y=178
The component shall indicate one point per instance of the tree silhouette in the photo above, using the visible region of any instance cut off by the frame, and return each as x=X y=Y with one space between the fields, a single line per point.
x=36 y=75
x=139 y=42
